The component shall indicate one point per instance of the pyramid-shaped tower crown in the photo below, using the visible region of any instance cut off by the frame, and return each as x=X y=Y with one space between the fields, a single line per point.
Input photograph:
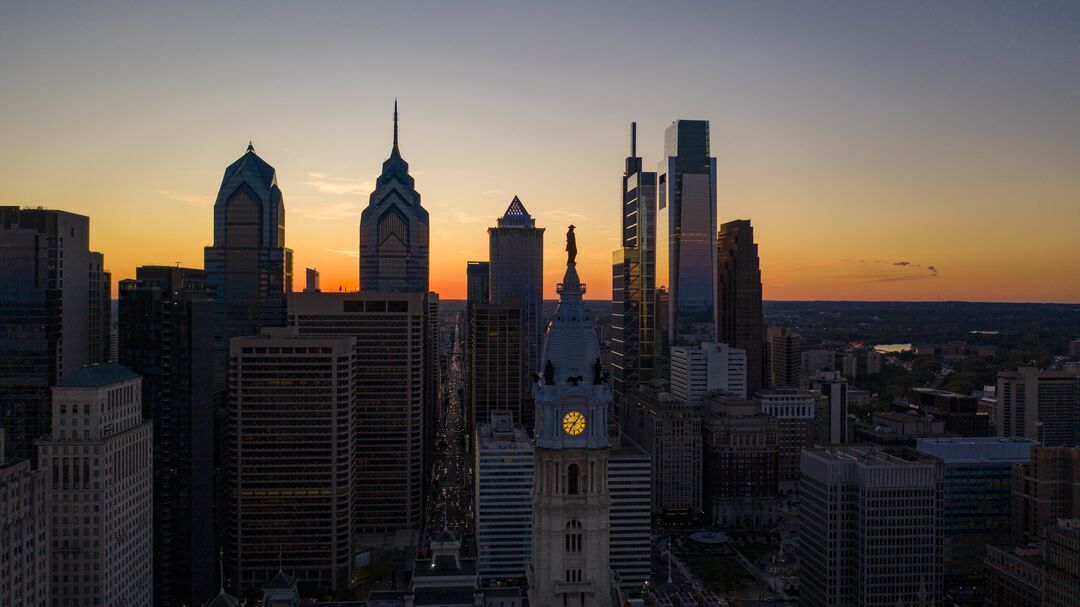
x=516 y=216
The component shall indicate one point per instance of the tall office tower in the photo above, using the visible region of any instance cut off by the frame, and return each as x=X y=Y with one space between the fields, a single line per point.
x=785 y=357
x=248 y=268
x=1014 y=576
x=311 y=282
x=849 y=365
x=495 y=351
x=633 y=280
x=871 y=528
x=478 y=282
x=1043 y=490
x=740 y=450
x=795 y=409
x=686 y=232
x=960 y=412
x=978 y=498
x=669 y=429
x=390 y=340
x=740 y=320
x=432 y=379
x=571 y=506
x=516 y=254
x=1062 y=563
x=503 y=501
x=50 y=315
x=293 y=446
x=394 y=231
x=166 y=335
x=707 y=368
x=832 y=419
x=99 y=459
x=1039 y=405
x=100 y=338
x=873 y=362
x=630 y=515
x=24 y=546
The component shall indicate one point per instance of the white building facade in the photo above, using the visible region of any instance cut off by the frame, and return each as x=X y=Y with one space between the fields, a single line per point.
x=709 y=368
x=504 y=482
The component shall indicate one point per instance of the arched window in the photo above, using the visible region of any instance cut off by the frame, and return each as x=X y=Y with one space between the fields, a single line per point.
x=573 y=536
x=572 y=479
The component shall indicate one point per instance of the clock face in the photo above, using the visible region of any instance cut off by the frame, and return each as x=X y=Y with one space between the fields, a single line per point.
x=573 y=423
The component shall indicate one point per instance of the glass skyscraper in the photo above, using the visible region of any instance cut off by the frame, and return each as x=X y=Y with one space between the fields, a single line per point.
x=686 y=232
x=740 y=321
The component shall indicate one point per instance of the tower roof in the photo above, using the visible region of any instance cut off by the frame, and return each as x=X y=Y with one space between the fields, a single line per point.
x=395 y=168
x=92 y=376
x=516 y=216
x=253 y=168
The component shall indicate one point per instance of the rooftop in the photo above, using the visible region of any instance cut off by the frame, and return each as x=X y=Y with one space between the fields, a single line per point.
x=92 y=376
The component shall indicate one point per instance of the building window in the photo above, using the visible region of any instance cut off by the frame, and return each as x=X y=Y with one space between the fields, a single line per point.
x=572 y=479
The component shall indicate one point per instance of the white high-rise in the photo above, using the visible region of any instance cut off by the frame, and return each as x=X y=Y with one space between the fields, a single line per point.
x=711 y=367
x=630 y=517
x=504 y=481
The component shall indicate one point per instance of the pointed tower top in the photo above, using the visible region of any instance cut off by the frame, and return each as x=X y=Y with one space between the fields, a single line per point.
x=633 y=139
x=395 y=123
x=250 y=147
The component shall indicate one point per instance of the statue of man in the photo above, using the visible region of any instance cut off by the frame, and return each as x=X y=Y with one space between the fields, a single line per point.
x=571 y=247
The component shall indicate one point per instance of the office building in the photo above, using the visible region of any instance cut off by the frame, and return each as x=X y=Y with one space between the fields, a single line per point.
x=24 y=539
x=849 y=365
x=629 y=482
x=894 y=429
x=686 y=232
x=503 y=500
x=478 y=282
x=394 y=246
x=1039 y=405
x=696 y=371
x=871 y=528
x=166 y=335
x=815 y=361
x=873 y=362
x=493 y=375
x=633 y=280
x=796 y=411
x=959 y=411
x=1045 y=489
x=785 y=357
x=740 y=321
x=668 y=429
x=516 y=278
x=248 y=268
x=99 y=460
x=390 y=333
x=54 y=315
x=1062 y=579
x=740 y=450
x=1014 y=576
x=978 y=497
x=292 y=451
x=831 y=423
x=311 y=282
x=570 y=544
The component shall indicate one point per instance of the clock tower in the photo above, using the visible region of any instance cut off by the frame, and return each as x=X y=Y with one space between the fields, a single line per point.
x=570 y=497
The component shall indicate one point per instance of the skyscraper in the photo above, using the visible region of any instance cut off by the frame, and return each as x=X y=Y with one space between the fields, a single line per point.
x=740 y=451
x=166 y=335
x=503 y=498
x=478 y=285
x=98 y=460
x=516 y=265
x=570 y=543
x=686 y=232
x=54 y=315
x=669 y=429
x=708 y=368
x=1044 y=489
x=785 y=357
x=795 y=409
x=394 y=231
x=24 y=540
x=291 y=405
x=248 y=268
x=831 y=421
x=1039 y=405
x=630 y=514
x=633 y=287
x=493 y=376
x=740 y=321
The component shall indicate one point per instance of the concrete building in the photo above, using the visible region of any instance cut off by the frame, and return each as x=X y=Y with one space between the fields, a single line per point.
x=292 y=422
x=54 y=316
x=796 y=411
x=1039 y=405
x=873 y=362
x=494 y=358
x=630 y=514
x=390 y=333
x=832 y=419
x=814 y=361
x=394 y=241
x=785 y=357
x=960 y=412
x=166 y=321
x=686 y=232
x=311 y=282
x=1045 y=489
x=871 y=528
x=1014 y=576
x=633 y=280
x=893 y=429
x=708 y=368
x=478 y=283
x=24 y=534
x=98 y=458
x=1062 y=579
x=670 y=431
x=740 y=320
x=503 y=499
x=741 y=454
x=978 y=498
x=849 y=365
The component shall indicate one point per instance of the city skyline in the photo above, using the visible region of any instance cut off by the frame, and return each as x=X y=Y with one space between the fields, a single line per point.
x=878 y=159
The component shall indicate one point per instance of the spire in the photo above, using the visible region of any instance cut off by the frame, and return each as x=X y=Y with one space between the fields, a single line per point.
x=395 y=124
x=633 y=139
x=250 y=148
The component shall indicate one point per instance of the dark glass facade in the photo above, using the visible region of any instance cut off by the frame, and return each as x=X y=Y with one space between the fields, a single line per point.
x=740 y=321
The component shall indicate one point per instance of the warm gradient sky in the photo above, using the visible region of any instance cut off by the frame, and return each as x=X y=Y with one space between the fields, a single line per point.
x=856 y=135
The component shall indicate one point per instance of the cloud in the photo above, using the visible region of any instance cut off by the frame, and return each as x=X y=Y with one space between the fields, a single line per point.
x=901 y=263
x=563 y=213
x=346 y=252
x=202 y=201
x=336 y=210
x=328 y=184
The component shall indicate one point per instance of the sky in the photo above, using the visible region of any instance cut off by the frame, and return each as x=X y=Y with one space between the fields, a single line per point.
x=883 y=150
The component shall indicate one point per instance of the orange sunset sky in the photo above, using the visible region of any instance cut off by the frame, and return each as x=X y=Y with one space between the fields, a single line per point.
x=883 y=151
